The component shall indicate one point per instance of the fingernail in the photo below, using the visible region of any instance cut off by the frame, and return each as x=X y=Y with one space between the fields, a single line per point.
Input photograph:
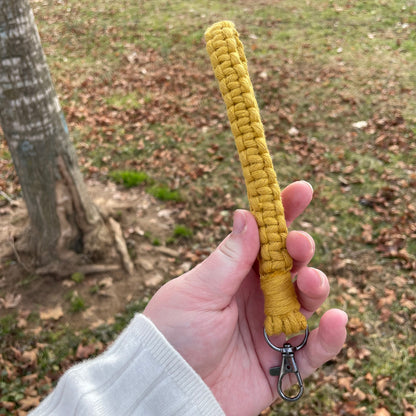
x=307 y=183
x=239 y=222
x=321 y=276
x=345 y=316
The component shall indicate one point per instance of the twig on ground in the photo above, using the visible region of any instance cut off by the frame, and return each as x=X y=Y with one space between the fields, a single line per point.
x=6 y=197
x=16 y=254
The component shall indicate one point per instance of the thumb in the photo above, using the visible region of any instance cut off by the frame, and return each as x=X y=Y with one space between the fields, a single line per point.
x=222 y=273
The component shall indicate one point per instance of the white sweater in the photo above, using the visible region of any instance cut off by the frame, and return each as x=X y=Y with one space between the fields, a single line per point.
x=140 y=374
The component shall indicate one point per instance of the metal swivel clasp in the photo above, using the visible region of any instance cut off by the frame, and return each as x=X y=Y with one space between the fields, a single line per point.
x=288 y=366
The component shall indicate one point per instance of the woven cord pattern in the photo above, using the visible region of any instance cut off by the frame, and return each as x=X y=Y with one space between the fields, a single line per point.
x=282 y=309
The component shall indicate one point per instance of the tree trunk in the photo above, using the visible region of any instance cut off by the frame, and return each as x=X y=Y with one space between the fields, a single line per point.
x=66 y=228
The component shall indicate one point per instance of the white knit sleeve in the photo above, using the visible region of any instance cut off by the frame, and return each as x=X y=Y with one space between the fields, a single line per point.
x=140 y=374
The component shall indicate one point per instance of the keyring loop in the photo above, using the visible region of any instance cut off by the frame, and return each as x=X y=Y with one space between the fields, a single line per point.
x=281 y=349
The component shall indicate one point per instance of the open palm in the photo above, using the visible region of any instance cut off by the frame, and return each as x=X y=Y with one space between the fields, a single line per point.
x=213 y=315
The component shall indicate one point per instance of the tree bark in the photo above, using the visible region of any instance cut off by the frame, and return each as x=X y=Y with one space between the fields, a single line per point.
x=65 y=226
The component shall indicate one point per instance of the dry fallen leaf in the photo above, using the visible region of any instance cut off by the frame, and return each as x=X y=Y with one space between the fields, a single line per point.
x=388 y=299
x=106 y=282
x=350 y=407
x=367 y=233
x=359 y=394
x=407 y=303
x=410 y=410
x=153 y=279
x=10 y=301
x=345 y=382
x=8 y=405
x=29 y=402
x=363 y=353
x=30 y=378
x=68 y=283
x=36 y=331
x=355 y=324
x=30 y=357
x=53 y=313
x=382 y=411
x=382 y=385
x=369 y=378
x=85 y=351
x=21 y=323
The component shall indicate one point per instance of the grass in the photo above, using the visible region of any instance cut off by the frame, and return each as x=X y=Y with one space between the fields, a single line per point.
x=182 y=231
x=78 y=277
x=121 y=100
x=76 y=302
x=163 y=193
x=129 y=178
x=155 y=241
x=135 y=83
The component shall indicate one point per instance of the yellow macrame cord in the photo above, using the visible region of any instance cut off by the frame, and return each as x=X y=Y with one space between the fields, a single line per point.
x=226 y=52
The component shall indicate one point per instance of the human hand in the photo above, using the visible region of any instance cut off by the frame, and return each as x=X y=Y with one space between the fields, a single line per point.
x=213 y=315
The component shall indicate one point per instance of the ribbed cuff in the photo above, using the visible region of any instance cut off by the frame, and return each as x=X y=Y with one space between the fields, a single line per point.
x=184 y=376
x=140 y=374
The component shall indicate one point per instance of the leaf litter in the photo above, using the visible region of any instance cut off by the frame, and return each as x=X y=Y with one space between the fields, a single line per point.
x=167 y=124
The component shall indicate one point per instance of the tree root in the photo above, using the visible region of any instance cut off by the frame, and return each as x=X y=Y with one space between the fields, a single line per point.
x=121 y=246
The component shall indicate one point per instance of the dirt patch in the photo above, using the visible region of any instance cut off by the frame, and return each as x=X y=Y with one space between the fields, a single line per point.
x=88 y=301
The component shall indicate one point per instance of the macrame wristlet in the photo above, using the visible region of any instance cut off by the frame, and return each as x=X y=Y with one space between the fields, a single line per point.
x=226 y=52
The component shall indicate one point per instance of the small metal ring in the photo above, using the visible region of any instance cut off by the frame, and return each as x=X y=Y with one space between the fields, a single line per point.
x=280 y=349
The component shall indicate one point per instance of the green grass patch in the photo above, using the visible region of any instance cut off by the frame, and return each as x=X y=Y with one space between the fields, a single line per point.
x=129 y=178
x=155 y=241
x=123 y=100
x=76 y=302
x=78 y=277
x=5 y=154
x=182 y=231
x=164 y=193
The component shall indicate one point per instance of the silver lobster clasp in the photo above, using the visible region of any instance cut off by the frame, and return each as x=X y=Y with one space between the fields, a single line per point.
x=288 y=366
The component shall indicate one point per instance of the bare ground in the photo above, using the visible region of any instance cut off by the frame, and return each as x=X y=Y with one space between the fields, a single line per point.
x=143 y=221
